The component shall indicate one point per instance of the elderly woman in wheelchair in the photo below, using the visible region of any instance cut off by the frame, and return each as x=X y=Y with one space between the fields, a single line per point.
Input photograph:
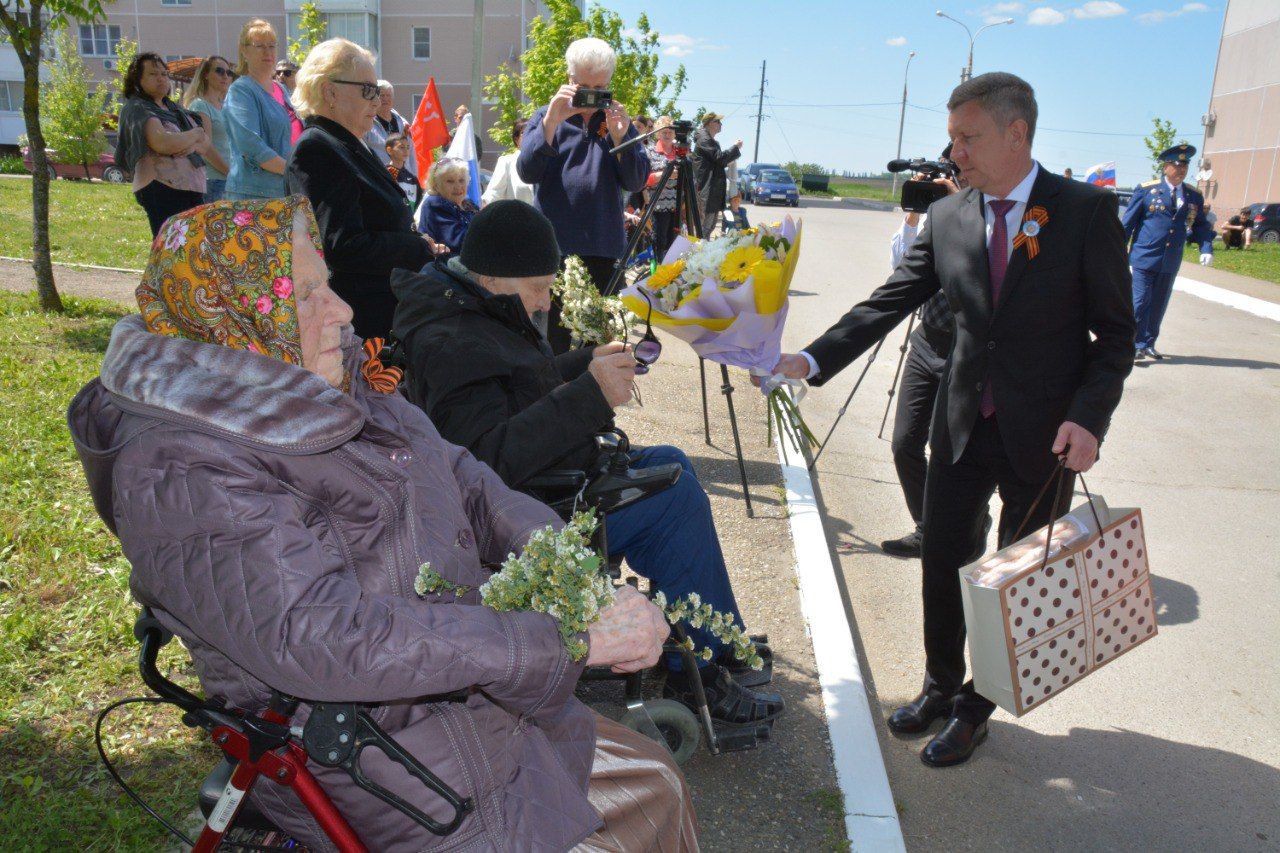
x=484 y=373
x=276 y=498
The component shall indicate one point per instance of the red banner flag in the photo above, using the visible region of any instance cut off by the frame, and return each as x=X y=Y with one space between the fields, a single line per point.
x=428 y=129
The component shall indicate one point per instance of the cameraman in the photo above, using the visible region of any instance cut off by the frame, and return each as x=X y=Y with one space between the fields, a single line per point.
x=580 y=185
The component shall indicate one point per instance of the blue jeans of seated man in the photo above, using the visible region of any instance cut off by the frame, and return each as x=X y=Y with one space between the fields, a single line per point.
x=670 y=538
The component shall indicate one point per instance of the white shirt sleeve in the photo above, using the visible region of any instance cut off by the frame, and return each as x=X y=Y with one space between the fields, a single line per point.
x=903 y=239
x=500 y=181
x=813 y=365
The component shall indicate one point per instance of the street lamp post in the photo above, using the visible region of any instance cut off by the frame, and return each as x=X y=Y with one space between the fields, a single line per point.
x=902 y=115
x=967 y=71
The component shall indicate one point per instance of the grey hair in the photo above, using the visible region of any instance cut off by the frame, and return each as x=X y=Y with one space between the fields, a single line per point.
x=442 y=167
x=1007 y=97
x=590 y=54
x=385 y=85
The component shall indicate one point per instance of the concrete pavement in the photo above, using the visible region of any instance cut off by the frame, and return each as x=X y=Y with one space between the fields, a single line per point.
x=1172 y=747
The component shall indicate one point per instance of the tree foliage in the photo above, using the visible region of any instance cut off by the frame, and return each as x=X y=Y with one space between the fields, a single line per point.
x=312 y=29
x=798 y=170
x=1163 y=137
x=25 y=24
x=637 y=83
x=126 y=52
x=72 y=113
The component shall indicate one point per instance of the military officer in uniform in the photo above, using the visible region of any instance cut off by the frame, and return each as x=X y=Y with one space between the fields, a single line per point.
x=1157 y=222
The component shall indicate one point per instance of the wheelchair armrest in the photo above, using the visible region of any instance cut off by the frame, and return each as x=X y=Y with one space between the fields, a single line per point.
x=556 y=482
x=613 y=490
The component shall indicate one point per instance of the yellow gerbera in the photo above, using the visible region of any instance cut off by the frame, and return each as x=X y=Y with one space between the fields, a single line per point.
x=665 y=274
x=739 y=263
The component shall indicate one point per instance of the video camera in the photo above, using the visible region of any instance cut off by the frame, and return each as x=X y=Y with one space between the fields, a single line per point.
x=682 y=128
x=918 y=195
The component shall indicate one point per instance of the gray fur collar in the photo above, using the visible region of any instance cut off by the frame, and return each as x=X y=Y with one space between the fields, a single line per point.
x=251 y=399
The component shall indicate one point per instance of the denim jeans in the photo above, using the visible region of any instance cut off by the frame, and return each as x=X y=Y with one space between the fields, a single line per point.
x=213 y=190
x=670 y=538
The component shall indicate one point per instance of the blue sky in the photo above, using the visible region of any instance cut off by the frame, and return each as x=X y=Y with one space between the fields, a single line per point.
x=1101 y=69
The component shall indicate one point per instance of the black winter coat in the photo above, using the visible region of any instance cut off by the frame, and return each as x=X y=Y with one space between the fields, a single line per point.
x=486 y=377
x=366 y=226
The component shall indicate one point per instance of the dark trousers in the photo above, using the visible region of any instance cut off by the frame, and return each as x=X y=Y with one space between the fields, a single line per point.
x=671 y=539
x=917 y=392
x=955 y=506
x=600 y=269
x=665 y=224
x=161 y=201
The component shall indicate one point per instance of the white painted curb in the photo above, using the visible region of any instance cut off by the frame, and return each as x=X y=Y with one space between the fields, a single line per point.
x=1230 y=298
x=871 y=819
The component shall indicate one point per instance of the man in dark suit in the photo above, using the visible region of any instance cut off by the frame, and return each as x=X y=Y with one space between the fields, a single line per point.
x=1034 y=267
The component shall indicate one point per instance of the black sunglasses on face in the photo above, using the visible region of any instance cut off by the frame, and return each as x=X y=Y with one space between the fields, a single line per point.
x=283 y=72
x=224 y=72
x=368 y=91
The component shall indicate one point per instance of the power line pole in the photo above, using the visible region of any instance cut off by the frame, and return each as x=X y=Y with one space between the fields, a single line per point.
x=759 y=112
x=477 y=65
x=902 y=115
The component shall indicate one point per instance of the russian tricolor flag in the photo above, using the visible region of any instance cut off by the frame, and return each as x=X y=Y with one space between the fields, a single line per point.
x=463 y=147
x=1102 y=175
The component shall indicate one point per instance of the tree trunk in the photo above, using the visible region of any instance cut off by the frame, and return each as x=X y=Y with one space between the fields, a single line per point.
x=40 y=260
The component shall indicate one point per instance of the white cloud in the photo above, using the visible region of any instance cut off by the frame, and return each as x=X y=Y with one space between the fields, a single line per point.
x=1164 y=14
x=680 y=44
x=997 y=12
x=1045 y=16
x=896 y=41
x=1099 y=9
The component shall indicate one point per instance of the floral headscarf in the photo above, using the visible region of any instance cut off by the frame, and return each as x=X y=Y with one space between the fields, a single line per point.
x=222 y=274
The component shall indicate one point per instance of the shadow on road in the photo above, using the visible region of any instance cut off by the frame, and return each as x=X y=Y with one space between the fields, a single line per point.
x=1177 y=603
x=1214 y=361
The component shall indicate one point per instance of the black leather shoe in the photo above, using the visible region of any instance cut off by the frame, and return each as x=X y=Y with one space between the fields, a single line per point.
x=916 y=716
x=907 y=546
x=954 y=744
x=1150 y=352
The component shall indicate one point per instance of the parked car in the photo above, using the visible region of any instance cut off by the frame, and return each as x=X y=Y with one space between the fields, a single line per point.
x=1266 y=222
x=747 y=174
x=774 y=186
x=105 y=168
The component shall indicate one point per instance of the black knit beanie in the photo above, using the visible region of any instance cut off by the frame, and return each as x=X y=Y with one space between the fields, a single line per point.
x=511 y=239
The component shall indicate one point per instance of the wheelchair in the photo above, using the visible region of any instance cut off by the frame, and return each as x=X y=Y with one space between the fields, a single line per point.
x=612 y=485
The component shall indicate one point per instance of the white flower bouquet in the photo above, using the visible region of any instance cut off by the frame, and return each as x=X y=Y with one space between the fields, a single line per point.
x=559 y=574
x=588 y=317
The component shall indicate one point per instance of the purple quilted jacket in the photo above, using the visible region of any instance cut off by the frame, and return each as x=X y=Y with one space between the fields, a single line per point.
x=276 y=525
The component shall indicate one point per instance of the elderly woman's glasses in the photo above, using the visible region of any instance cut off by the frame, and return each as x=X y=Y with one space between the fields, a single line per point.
x=368 y=91
x=648 y=348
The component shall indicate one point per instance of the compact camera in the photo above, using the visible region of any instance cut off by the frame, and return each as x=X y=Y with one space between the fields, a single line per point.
x=918 y=195
x=594 y=99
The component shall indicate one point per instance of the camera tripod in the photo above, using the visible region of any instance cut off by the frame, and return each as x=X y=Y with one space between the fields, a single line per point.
x=688 y=217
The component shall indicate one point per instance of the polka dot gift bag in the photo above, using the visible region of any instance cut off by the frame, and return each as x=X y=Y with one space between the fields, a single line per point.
x=1054 y=606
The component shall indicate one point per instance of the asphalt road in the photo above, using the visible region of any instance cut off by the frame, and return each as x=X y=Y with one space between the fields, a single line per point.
x=1172 y=747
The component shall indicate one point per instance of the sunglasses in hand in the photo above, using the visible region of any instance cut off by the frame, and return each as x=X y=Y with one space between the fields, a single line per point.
x=648 y=349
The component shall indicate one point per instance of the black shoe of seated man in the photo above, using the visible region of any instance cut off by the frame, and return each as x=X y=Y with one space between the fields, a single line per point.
x=906 y=547
x=954 y=744
x=745 y=675
x=916 y=716
x=728 y=701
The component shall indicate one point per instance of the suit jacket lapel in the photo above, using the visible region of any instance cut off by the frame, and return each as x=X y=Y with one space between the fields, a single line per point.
x=1043 y=192
x=973 y=233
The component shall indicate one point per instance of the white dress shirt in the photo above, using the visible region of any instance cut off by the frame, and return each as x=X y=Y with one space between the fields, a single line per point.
x=1177 y=194
x=1020 y=194
x=506 y=183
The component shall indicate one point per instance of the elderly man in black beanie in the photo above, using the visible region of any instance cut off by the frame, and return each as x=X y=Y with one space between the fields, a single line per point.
x=481 y=368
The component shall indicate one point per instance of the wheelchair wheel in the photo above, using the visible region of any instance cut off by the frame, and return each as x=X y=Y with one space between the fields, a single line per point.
x=677 y=724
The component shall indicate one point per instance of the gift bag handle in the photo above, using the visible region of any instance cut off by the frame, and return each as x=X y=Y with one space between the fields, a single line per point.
x=1056 y=478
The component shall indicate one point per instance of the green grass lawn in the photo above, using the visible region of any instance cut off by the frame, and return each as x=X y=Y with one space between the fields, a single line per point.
x=853 y=189
x=66 y=640
x=1261 y=260
x=98 y=224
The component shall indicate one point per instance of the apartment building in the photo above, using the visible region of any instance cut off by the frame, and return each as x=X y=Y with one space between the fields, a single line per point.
x=412 y=39
x=1240 y=157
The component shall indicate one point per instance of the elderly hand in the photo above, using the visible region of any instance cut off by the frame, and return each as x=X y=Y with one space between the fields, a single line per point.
x=792 y=366
x=560 y=108
x=617 y=120
x=1079 y=445
x=629 y=634
x=1206 y=259
x=614 y=368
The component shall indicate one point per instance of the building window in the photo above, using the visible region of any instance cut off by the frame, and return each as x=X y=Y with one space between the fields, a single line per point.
x=422 y=42
x=10 y=96
x=99 y=39
x=358 y=27
x=175 y=2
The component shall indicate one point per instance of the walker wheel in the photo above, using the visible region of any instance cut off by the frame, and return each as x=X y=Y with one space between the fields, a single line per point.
x=677 y=724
